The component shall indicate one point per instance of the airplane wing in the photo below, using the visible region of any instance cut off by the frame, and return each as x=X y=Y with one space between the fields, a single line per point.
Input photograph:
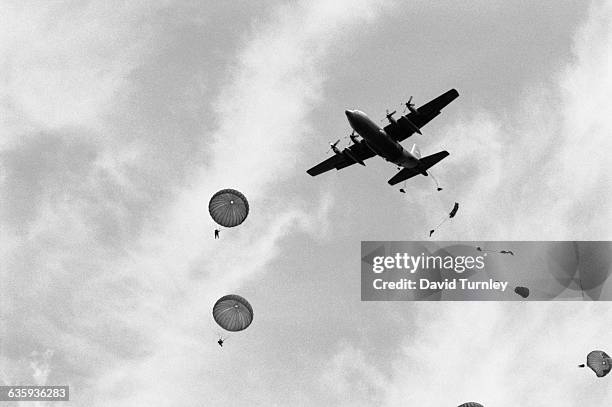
x=359 y=151
x=424 y=164
x=404 y=127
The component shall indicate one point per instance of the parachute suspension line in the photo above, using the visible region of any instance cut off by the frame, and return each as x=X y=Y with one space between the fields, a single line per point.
x=451 y=215
x=442 y=223
x=431 y=232
x=214 y=328
x=221 y=335
x=436 y=181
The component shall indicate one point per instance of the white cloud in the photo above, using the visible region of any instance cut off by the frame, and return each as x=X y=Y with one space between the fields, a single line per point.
x=64 y=63
x=134 y=302
x=352 y=380
x=540 y=171
x=475 y=353
x=41 y=366
x=128 y=310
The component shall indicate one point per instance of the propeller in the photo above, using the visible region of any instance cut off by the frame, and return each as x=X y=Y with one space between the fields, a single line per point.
x=353 y=137
x=333 y=147
x=389 y=116
x=410 y=106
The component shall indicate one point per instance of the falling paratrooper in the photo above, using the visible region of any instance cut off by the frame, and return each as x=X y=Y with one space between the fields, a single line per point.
x=232 y=313
x=451 y=215
x=480 y=249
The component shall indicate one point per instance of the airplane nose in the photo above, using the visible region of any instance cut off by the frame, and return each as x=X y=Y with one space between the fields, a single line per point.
x=348 y=113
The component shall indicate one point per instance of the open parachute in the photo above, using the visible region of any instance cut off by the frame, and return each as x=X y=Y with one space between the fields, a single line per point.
x=228 y=208
x=233 y=313
x=599 y=362
x=522 y=291
x=471 y=404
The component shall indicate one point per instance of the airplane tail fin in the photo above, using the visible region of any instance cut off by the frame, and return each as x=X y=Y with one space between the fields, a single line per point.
x=415 y=151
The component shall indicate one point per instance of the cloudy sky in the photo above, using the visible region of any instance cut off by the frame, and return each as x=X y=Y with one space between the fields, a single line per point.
x=119 y=120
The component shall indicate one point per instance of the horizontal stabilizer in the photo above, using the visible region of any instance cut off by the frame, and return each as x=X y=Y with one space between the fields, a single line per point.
x=424 y=164
x=403 y=175
x=431 y=160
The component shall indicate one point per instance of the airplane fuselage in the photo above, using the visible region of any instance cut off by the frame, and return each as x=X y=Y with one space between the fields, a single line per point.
x=379 y=141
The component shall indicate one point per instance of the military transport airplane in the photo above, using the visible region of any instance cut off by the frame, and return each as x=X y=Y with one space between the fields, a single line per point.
x=386 y=142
